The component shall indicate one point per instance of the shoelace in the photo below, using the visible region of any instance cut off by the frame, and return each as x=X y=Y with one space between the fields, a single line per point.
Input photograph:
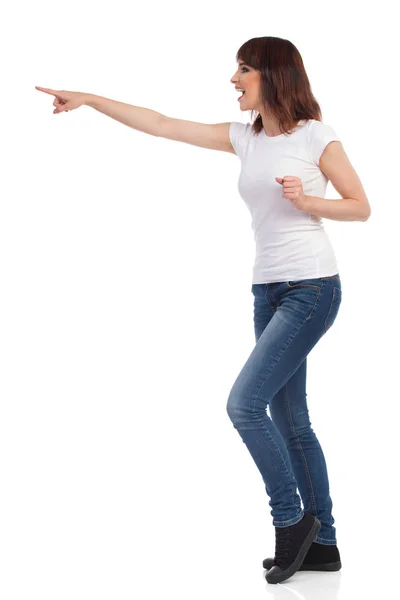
x=281 y=546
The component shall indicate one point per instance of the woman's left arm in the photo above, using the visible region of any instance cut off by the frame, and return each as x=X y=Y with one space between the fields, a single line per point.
x=353 y=205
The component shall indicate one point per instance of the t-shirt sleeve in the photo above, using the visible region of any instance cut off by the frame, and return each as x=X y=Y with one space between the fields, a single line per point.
x=321 y=135
x=237 y=134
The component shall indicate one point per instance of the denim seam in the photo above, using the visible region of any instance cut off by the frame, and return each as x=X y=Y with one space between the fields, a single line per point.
x=270 y=437
x=303 y=456
x=269 y=299
x=321 y=540
x=315 y=303
x=334 y=294
x=290 y=521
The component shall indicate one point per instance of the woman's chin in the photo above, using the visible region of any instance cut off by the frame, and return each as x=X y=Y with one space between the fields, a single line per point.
x=245 y=106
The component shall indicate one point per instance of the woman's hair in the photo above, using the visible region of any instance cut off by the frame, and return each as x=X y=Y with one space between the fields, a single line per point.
x=284 y=86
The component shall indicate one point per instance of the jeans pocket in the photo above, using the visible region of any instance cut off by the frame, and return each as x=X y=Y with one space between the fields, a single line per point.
x=337 y=277
x=334 y=307
x=314 y=284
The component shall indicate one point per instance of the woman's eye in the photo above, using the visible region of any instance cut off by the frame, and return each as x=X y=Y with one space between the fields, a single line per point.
x=244 y=68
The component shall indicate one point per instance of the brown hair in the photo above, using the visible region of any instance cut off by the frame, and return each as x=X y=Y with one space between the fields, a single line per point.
x=284 y=87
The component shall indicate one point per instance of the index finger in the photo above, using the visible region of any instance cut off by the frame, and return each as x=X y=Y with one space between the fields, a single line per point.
x=47 y=90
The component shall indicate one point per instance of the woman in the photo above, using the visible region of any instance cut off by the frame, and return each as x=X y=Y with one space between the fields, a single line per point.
x=287 y=157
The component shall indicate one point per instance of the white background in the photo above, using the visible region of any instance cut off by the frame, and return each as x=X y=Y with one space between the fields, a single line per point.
x=126 y=306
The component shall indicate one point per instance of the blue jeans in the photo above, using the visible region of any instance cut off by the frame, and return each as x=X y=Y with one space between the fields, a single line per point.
x=289 y=319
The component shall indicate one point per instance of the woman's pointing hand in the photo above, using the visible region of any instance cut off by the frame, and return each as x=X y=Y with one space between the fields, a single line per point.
x=64 y=100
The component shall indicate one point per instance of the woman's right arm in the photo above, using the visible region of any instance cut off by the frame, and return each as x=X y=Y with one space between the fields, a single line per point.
x=211 y=136
x=142 y=119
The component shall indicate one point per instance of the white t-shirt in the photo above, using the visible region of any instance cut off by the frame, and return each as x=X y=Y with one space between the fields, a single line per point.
x=290 y=243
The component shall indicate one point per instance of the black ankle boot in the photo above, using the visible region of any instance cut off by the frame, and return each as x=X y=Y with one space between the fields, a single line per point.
x=292 y=545
x=320 y=557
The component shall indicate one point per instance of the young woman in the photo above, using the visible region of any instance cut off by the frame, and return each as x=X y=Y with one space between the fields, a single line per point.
x=287 y=157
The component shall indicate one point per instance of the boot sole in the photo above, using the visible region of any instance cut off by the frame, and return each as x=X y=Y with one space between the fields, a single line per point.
x=291 y=570
x=335 y=566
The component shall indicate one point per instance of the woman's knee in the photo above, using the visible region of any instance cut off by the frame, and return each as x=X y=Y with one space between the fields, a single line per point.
x=241 y=405
x=232 y=405
x=236 y=404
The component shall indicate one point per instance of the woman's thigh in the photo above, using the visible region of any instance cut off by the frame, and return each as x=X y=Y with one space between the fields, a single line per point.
x=289 y=319
x=286 y=416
